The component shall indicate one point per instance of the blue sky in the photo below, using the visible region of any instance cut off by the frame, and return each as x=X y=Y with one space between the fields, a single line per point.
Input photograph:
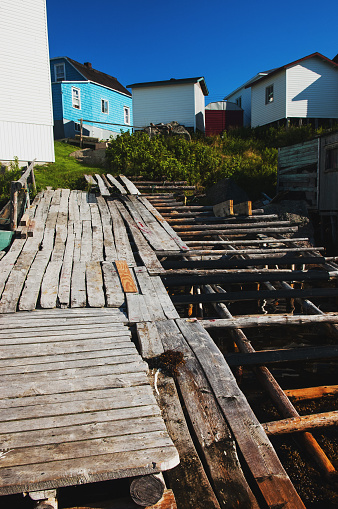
x=226 y=42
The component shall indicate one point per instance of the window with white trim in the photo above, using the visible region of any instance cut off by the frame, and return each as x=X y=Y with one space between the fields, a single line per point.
x=77 y=127
x=269 y=94
x=104 y=106
x=239 y=101
x=60 y=72
x=76 y=98
x=126 y=111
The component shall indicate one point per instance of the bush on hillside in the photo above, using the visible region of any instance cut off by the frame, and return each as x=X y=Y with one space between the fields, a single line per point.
x=202 y=161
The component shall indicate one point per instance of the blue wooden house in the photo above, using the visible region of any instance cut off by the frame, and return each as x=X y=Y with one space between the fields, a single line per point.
x=81 y=92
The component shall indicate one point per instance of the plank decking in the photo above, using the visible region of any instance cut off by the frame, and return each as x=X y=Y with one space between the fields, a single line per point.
x=76 y=402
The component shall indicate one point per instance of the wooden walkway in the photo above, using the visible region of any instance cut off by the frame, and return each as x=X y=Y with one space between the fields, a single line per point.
x=76 y=402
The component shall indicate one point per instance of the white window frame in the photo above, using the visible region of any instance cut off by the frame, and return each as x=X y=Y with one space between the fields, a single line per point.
x=77 y=127
x=76 y=101
x=61 y=64
x=126 y=115
x=269 y=94
x=239 y=101
x=103 y=102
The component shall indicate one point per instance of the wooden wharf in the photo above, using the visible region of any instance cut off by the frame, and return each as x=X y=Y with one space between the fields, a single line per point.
x=104 y=272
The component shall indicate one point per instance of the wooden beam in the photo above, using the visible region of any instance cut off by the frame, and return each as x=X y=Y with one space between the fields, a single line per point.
x=283 y=355
x=301 y=423
x=253 y=277
x=256 y=295
x=234 y=263
x=243 y=322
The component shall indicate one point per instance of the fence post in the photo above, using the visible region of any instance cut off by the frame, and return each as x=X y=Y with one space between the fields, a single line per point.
x=14 y=205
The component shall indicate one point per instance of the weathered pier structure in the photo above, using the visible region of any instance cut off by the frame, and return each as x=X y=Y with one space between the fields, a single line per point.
x=109 y=304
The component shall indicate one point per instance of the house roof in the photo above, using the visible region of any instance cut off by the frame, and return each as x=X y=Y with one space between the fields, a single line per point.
x=97 y=76
x=173 y=81
x=291 y=64
x=247 y=83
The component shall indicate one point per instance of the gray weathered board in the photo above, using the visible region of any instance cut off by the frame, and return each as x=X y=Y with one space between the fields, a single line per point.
x=76 y=404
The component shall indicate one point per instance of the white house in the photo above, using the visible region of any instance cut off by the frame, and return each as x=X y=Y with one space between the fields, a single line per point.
x=26 y=118
x=304 y=89
x=242 y=97
x=165 y=101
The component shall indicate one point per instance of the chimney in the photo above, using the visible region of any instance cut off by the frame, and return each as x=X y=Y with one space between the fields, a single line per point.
x=88 y=64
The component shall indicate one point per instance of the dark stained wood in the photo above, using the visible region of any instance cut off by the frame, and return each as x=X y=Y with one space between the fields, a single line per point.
x=257 y=451
x=211 y=430
x=146 y=490
x=283 y=355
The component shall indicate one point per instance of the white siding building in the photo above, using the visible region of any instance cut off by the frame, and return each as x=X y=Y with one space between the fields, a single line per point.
x=180 y=100
x=304 y=89
x=26 y=118
x=242 y=97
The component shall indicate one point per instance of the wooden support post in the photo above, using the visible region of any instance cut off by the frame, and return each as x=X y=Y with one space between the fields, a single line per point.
x=81 y=132
x=146 y=490
x=14 y=204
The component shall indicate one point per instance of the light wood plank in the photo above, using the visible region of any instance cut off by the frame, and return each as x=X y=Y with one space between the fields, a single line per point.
x=78 y=286
x=112 y=285
x=94 y=284
x=116 y=183
x=137 y=308
x=126 y=277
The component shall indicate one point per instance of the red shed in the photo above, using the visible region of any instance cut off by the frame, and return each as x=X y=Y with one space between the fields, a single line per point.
x=222 y=115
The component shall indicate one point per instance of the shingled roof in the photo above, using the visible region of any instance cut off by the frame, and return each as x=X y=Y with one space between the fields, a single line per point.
x=98 y=77
x=173 y=81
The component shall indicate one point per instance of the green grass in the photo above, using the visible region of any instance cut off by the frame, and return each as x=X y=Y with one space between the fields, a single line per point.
x=66 y=172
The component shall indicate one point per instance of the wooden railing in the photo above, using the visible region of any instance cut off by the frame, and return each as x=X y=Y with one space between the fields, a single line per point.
x=20 y=187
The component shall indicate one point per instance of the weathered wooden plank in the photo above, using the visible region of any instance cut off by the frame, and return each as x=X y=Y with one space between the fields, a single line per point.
x=102 y=186
x=150 y=294
x=126 y=277
x=123 y=248
x=212 y=433
x=137 y=308
x=70 y=472
x=84 y=449
x=148 y=339
x=66 y=272
x=77 y=333
x=33 y=281
x=50 y=284
x=257 y=450
x=112 y=286
x=88 y=383
x=97 y=232
x=181 y=244
x=164 y=299
x=61 y=404
x=90 y=179
x=132 y=189
x=108 y=237
x=94 y=285
x=86 y=241
x=101 y=358
x=116 y=183
x=243 y=322
x=145 y=252
x=188 y=479
x=78 y=297
x=69 y=374
x=109 y=424
x=61 y=347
